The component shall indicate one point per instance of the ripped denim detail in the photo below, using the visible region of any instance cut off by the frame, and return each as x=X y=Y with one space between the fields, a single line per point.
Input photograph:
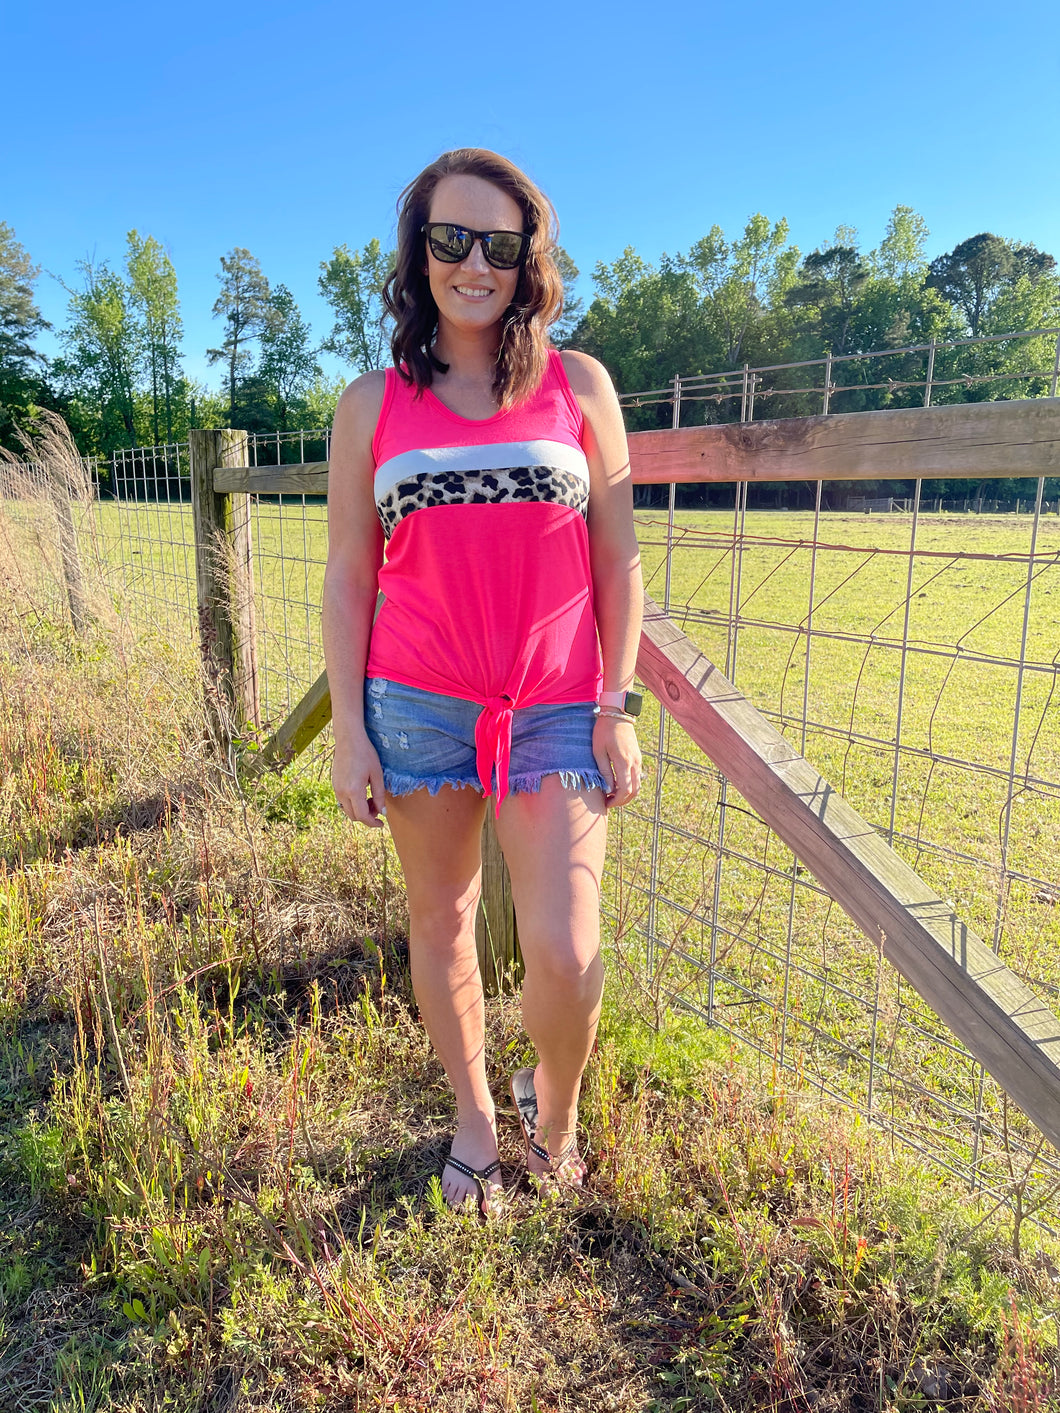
x=376 y=688
x=397 y=784
x=569 y=779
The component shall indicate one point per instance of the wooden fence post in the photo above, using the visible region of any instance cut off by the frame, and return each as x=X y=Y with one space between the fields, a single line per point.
x=499 y=958
x=224 y=582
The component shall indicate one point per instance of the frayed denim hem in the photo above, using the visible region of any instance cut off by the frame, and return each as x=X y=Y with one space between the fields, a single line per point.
x=569 y=779
x=396 y=784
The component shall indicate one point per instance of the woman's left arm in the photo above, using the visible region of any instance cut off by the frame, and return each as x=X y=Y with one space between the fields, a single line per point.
x=615 y=563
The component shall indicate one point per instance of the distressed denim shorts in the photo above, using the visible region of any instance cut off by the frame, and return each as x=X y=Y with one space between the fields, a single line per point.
x=426 y=740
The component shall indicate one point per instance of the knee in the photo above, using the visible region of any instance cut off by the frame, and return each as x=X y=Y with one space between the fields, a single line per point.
x=571 y=974
x=440 y=921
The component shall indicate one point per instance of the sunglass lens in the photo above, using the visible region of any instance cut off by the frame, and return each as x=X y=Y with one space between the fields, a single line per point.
x=505 y=249
x=449 y=243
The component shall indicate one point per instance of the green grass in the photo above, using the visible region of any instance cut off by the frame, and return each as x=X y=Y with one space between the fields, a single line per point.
x=221 y=1127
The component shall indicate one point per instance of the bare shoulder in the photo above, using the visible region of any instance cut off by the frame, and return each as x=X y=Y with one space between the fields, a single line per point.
x=587 y=376
x=362 y=399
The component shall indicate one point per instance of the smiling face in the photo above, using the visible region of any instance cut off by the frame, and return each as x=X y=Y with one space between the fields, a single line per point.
x=472 y=296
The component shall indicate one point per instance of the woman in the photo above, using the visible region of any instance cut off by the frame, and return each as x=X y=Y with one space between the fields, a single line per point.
x=501 y=657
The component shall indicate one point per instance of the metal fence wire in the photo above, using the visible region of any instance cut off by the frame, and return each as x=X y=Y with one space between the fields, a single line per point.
x=914 y=659
x=912 y=654
x=143 y=521
x=290 y=551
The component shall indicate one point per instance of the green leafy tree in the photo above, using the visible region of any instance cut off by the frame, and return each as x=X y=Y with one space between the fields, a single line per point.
x=974 y=274
x=244 y=306
x=573 y=307
x=104 y=357
x=827 y=288
x=21 y=366
x=739 y=280
x=288 y=366
x=153 y=283
x=645 y=325
x=900 y=255
x=352 y=283
x=320 y=400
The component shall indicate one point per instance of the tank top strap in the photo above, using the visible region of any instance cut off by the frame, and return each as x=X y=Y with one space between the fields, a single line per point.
x=556 y=378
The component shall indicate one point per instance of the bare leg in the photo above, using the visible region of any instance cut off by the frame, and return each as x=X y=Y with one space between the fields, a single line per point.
x=554 y=844
x=438 y=842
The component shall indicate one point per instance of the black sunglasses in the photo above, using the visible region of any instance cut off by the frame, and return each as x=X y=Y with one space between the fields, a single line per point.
x=502 y=249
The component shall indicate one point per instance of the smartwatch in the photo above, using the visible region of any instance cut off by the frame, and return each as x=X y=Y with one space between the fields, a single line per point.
x=629 y=702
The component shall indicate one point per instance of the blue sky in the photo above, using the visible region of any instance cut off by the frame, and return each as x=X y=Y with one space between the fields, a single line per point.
x=290 y=130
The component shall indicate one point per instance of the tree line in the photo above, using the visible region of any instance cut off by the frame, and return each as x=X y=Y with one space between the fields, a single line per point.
x=752 y=298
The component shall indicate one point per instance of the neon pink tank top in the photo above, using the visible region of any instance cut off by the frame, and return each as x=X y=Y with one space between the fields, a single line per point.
x=487 y=581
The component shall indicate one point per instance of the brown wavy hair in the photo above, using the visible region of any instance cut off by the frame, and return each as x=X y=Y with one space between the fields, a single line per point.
x=538 y=300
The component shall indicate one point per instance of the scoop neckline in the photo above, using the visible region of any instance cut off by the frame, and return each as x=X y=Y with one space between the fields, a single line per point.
x=459 y=416
x=480 y=421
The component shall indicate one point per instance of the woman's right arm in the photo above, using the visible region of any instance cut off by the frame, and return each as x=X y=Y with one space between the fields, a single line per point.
x=355 y=552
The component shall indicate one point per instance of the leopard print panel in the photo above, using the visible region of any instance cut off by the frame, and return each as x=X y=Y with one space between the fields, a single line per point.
x=519 y=483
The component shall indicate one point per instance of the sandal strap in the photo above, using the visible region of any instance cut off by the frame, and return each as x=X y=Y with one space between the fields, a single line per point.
x=480 y=1177
x=566 y=1155
x=555 y=1163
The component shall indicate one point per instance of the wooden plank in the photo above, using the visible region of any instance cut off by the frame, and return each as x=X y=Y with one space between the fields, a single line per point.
x=1002 y=1022
x=211 y=513
x=310 y=478
x=303 y=725
x=967 y=440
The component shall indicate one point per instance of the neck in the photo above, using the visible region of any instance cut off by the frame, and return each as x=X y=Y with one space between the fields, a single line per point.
x=471 y=356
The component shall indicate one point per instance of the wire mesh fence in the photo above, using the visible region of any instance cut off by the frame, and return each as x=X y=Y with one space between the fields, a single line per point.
x=913 y=658
x=993 y=366
x=290 y=550
x=147 y=538
x=916 y=666
x=910 y=650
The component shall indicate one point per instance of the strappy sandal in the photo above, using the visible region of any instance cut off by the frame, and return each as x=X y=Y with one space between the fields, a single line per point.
x=480 y=1178
x=525 y=1100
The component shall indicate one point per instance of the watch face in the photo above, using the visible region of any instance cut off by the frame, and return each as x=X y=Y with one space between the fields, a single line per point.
x=633 y=703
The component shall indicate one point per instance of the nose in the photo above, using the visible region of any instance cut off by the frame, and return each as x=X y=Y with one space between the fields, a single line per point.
x=475 y=260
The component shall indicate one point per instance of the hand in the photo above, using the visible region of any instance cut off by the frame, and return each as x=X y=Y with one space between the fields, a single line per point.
x=357 y=778
x=617 y=754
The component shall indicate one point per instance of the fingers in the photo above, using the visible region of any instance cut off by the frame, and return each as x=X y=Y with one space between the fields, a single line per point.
x=361 y=810
x=376 y=796
x=361 y=807
x=618 y=759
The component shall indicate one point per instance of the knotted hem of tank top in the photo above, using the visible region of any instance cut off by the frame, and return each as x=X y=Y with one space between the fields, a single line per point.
x=493 y=746
x=569 y=779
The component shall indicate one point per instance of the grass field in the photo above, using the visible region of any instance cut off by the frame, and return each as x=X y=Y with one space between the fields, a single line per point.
x=219 y=1118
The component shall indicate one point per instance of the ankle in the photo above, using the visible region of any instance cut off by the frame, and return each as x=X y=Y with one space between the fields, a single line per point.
x=553 y=1118
x=476 y=1120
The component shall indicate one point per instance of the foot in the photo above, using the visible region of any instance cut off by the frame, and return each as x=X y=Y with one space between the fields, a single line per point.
x=551 y=1134
x=475 y=1146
